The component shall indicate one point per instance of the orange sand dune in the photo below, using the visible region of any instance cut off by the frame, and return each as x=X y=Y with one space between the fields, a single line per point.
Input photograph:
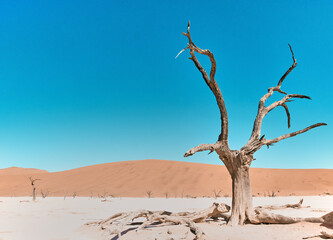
x=177 y=179
x=20 y=171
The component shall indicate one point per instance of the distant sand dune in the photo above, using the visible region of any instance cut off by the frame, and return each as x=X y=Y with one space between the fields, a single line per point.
x=178 y=179
x=20 y=171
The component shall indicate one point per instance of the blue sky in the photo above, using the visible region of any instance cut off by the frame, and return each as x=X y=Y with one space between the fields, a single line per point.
x=89 y=82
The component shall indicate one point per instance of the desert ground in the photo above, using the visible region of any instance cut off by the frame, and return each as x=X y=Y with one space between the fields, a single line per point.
x=56 y=218
x=94 y=193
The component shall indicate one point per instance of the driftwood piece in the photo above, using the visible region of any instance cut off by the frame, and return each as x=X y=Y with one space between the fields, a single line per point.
x=263 y=216
x=295 y=206
x=116 y=223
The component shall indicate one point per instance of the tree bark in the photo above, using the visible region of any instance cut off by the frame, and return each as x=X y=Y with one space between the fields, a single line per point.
x=34 y=193
x=241 y=196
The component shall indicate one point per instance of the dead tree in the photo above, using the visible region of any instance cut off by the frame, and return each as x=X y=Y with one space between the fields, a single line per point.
x=44 y=193
x=32 y=181
x=238 y=162
x=166 y=194
x=217 y=193
x=149 y=193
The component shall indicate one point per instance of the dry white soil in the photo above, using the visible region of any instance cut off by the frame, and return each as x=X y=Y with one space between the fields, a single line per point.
x=54 y=218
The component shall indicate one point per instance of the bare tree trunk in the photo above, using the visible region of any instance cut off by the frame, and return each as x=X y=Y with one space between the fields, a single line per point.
x=32 y=181
x=34 y=193
x=241 y=194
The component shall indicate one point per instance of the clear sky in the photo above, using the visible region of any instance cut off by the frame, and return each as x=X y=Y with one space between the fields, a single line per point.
x=89 y=82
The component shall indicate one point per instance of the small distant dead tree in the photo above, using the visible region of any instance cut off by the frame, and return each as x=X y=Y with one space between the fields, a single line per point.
x=65 y=195
x=166 y=194
x=74 y=194
x=238 y=162
x=32 y=181
x=217 y=193
x=103 y=195
x=273 y=193
x=149 y=193
x=44 y=193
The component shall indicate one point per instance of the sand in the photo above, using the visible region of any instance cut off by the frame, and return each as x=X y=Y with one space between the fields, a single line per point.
x=177 y=179
x=54 y=218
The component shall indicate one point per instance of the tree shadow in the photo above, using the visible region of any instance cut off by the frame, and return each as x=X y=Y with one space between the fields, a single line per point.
x=123 y=233
x=152 y=225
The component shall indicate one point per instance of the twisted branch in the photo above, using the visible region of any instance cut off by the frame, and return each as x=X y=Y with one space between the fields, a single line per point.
x=202 y=147
x=254 y=142
x=290 y=69
x=278 y=139
x=262 y=110
x=210 y=81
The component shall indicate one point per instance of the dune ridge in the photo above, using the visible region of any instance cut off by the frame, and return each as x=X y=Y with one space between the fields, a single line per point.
x=162 y=177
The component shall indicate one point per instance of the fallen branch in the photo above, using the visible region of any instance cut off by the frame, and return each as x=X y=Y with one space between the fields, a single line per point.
x=116 y=223
x=263 y=216
x=296 y=206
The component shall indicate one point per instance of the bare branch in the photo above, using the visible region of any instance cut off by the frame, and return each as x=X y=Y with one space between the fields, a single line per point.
x=287 y=112
x=278 y=139
x=285 y=100
x=210 y=81
x=33 y=180
x=290 y=69
x=262 y=110
x=182 y=51
x=202 y=147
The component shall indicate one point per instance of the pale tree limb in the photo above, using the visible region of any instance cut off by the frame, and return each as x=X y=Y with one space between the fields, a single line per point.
x=284 y=100
x=210 y=81
x=264 y=216
x=262 y=111
x=115 y=224
x=182 y=51
x=278 y=139
x=295 y=206
x=256 y=142
x=202 y=147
